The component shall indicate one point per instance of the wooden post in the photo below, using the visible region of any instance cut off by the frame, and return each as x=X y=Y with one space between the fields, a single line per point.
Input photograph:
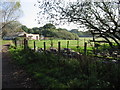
x=77 y=45
x=44 y=46
x=27 y=43
x=51 y=43
x=59 y=47
x=94 y=44
x=15 y=43
x=21 y=43
x=78 y=42
x=85 y=48
x=67 y=44
x=94 y=40
x=34 y=46
x=24 y=44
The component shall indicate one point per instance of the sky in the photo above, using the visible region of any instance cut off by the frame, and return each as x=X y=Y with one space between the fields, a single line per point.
x=30 y=14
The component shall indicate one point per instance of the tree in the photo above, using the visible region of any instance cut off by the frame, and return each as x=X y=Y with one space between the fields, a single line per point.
x=36 y=30
x=81 y=33
x=49 y=30
x=49 y=25
x=25 y=28
x=100 y=18
x=11 y=28
x=10 y=12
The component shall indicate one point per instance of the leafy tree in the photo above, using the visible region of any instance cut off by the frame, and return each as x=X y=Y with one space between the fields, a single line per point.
x=11 y=28
x=76 y=37
x=25 y=28
x=49 y=25
x=74 y=31
x=31 y=31
x=10 y=12
x=49 y=30
x=47 y=33
x=66 y=34
x=81 y=33
x=36 y=30
x=101 y=18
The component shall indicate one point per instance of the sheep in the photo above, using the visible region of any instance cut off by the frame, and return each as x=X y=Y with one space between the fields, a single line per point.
x=114 y=61
x=76 y=54
x=67 y=50
x=48 y=51
x=32 y=49
x=114 y=54
x=62 y=51
x=40 y=50
x=118 y=56
x=64 y=54
x=53 y=50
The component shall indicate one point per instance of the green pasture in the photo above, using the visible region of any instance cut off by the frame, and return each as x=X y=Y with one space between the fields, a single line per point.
x=3 y=42
x=72 y=43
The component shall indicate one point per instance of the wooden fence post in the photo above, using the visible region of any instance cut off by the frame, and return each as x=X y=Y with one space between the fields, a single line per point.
x=85 y=48
x=78 y=42
x=20 y=43
x=15 y=43
x=44 y=46
x=27 y=43
x=24 y=44
x=59 y=47
x=67 y=44
x=77 y=45
x=34 y=46
x=51 y=43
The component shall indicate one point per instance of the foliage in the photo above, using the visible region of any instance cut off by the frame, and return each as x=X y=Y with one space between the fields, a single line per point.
x=10 y=12
x=49 y=30
x=81 y=33
x=12 y=28
x=88 y=14
x=24 y=28
x=49 y=25
x=51 y=71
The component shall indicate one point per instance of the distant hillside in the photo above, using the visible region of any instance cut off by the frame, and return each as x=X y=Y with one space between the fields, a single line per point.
x=49 y=30
x=80 y=33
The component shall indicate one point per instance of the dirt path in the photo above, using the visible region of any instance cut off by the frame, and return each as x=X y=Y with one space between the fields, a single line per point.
x=12 y=75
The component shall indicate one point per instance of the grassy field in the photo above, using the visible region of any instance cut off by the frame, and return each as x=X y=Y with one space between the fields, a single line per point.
x=3 y=42
x=72 y=43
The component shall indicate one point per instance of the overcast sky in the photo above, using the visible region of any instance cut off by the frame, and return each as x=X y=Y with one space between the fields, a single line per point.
x=30 y=14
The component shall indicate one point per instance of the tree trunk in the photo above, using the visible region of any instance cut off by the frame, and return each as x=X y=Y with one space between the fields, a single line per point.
x=115 y=41
x=110 y=43
x=118 y=37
